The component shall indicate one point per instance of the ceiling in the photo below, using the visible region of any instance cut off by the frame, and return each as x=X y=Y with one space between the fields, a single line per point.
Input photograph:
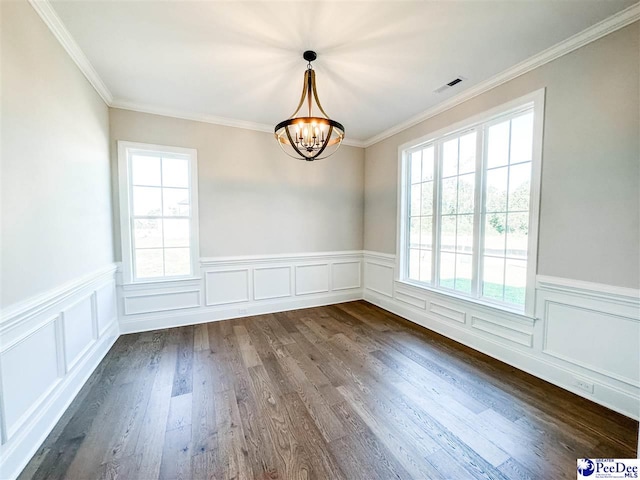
x=378 y=64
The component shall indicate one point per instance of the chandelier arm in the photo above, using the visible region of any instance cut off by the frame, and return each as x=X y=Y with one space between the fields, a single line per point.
x=293 y=144
x=304 y=94
x=315 y=93
x=325 y=143
x=309 y=77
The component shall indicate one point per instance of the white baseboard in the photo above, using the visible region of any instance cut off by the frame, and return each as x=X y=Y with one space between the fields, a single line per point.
x=49 y=347
x=205 y=315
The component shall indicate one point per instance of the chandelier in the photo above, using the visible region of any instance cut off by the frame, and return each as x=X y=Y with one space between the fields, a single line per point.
x=312 y=137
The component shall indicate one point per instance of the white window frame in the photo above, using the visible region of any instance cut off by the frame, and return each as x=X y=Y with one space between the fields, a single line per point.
x=125 y=150
x=536 y=101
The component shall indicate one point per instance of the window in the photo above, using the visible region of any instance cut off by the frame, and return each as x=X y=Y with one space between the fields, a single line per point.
x=158 y=207
x=469 y=211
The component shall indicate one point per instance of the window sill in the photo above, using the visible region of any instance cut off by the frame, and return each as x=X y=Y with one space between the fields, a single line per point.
x=473 y=302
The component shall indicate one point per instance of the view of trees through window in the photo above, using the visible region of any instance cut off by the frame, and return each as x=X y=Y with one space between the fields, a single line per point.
x=161 y=216
x=469 y=217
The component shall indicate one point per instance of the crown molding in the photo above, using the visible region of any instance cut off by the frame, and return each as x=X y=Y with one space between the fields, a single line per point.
x=53 y=21
x=203 y=117
x=599 y=30
x=197 y=117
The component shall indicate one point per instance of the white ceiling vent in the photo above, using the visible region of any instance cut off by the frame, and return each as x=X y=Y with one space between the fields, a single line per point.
x=451 y=84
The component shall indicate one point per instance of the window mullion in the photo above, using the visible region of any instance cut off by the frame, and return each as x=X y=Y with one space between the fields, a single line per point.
x=407 y=214
x=164 y=273
x=437 y=187
x=434 y=213
x=132 y=231
x=478 y=220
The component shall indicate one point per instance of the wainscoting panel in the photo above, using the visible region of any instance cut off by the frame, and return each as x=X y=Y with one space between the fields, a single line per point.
x=29 y=372
x=49 y=346
x=592 y=328
x=312 y=279
x=346 y=275
x=271 y=282
x=594 y=340
x=227 y=286
x=78 y=327
x=584 y=337
x=510 y=331
x=378 y=277
x=251 y=285
x=106 y=306
x=447 y=313
x=161 y=301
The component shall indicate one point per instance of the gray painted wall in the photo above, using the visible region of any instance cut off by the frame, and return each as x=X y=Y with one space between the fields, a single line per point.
x=254 y=199
x=590 y=200
x=56 y=199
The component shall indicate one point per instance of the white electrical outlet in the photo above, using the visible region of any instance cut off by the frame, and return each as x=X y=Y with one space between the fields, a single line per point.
x=242 y=311
x=583 y=384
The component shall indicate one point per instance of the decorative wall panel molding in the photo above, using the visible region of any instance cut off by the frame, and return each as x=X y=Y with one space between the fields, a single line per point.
x=505 y=330
x=448 y=313
x=582 y=333
x=569 y=336
x=378 y=276
x=272 y=282
x=593 y=328
x=161 y=301
x=346 y=275
x=78 y=333
x=312 y=278
x=226 y=286
x=249 y=285
x=49 y=346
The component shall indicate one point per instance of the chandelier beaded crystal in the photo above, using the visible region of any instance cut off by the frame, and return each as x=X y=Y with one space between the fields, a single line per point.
x=309 y=137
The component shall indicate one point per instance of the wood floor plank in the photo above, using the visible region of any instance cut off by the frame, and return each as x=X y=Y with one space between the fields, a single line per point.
x=176 y=455
x=312 y=438
x=180 y=411
x=326 y=422
x=412 y=460
x=347 y=391
x=183 y=378
x=95 y=444
x=201 y=337
x=513 y=470
x=281 y=334
x=261 y=453
x=149 y=446
x=288 y=446
x=203 y=414
x=370 y=450
x=459 y=377
x=248 y=350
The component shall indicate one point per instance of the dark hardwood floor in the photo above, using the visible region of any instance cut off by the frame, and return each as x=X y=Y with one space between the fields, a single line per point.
x=339 y=392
